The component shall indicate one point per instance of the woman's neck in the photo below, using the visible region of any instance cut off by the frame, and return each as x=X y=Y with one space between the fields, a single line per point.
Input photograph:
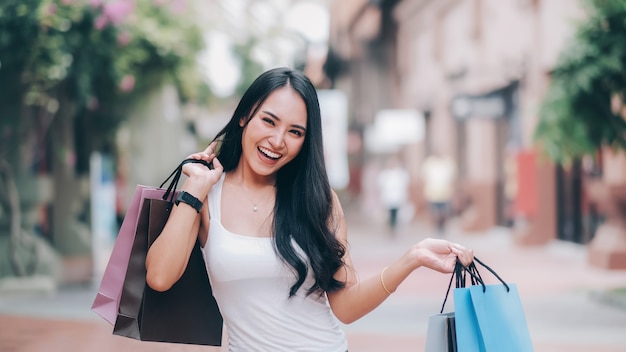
x=249 y=180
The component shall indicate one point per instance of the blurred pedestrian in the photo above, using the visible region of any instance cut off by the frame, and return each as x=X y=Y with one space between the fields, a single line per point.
x=393 y=185
x=439 y=174
x=273 y=232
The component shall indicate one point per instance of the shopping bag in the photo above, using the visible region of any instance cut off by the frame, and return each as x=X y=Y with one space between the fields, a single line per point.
x=441 y=336
x=187 y=312
x=490 y=317
x=107 y=300
x=441 y=332
x=198 y=319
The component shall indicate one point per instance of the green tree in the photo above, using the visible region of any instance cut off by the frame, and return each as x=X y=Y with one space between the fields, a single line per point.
x=583 y=108
x=69 y=70
x=83 y=60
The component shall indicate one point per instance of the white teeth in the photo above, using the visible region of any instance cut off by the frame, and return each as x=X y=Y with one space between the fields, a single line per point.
x=270 y=153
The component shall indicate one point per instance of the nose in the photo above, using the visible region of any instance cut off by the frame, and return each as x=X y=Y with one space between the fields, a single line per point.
x=277 y=139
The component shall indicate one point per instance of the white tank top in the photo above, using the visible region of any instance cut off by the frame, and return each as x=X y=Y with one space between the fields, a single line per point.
x=251 y=286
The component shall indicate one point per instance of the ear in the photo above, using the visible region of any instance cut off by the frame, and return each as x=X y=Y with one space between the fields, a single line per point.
x=242 y=121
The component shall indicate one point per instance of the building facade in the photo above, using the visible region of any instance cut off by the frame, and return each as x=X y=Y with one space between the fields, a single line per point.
x=477 y=70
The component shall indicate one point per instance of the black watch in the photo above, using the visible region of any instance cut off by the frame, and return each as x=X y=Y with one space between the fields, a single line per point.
x=189 y=199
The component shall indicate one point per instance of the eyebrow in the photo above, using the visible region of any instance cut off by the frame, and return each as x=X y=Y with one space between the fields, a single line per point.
x=278 y=118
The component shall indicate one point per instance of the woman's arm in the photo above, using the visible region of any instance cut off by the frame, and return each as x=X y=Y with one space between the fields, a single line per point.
x=168 y=256
x=358 y=298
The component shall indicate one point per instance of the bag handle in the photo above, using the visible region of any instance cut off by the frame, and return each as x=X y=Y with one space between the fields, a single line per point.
x=494 y=274
x=176 y=177
x=460 y=272
x=476 y=278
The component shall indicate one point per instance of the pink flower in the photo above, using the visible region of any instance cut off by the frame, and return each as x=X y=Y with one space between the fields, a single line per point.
x=128 y=83
x=179 y=6
x=95 y=3
x=117 y=10
x=124 y=38
x=159 y=2
x=67 y=2
x=52 y=9
x=101 y=22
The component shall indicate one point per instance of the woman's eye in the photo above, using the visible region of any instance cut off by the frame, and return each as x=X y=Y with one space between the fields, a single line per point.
x=297 y=133
x=268 y=120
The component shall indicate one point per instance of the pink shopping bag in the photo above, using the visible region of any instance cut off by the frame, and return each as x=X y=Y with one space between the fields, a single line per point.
x=107 y=301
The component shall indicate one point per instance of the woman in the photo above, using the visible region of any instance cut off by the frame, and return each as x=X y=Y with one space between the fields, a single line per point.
x=273 y=232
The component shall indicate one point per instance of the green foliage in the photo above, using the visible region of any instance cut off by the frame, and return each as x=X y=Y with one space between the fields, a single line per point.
x=87 y=57
x=579 y=113
x=88 y=44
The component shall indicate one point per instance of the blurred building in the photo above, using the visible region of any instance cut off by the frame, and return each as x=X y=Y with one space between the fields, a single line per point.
x=477 y=71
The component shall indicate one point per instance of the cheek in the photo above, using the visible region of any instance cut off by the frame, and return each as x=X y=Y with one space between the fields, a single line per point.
x=248 y=133
x=296 y=148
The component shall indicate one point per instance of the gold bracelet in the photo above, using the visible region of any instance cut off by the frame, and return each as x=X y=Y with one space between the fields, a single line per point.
x=382 y=281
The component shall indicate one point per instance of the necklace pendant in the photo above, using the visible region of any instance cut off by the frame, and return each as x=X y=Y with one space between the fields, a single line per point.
x=255 y=209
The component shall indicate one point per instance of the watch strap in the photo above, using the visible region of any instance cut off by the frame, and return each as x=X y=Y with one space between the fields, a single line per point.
x=190 y=200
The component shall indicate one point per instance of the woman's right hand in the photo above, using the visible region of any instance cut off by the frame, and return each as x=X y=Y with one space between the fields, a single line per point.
x=440 y=255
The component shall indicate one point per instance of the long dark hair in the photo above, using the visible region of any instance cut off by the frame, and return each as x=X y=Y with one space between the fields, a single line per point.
x=303 y=207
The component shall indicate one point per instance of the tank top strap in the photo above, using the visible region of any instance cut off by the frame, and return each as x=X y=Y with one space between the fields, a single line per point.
x=215 y=199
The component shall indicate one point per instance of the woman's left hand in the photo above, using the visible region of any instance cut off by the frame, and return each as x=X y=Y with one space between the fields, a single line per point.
x=202 y=178
x=441 y=255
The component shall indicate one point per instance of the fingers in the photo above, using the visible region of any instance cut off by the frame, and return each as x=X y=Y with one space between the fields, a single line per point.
x=445 y=250
x=208 y=154
x=465 y=255
x=217 y=165
x=210 y=148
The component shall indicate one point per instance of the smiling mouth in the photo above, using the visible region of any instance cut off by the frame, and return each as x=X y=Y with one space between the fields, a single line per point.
x=270 y=154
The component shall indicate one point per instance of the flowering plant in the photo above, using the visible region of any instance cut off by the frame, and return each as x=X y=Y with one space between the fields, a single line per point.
x=97 y=48
x=81 y=60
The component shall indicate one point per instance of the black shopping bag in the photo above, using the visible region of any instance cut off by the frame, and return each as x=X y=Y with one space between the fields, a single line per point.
x=187 y=312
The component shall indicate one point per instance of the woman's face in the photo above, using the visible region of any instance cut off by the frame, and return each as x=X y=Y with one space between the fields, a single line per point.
x=275 y=134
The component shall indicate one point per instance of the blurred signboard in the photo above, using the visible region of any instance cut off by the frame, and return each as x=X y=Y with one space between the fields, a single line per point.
x=394 y=128
x=334 y=110
x=493 y=105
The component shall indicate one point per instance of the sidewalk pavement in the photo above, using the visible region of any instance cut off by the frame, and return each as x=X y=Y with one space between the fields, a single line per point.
x=560 y=292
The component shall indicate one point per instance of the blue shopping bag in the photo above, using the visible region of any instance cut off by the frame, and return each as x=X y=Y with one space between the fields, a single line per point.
x=490 y=318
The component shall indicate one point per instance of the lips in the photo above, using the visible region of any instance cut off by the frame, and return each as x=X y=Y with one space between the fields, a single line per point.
x=270 y=154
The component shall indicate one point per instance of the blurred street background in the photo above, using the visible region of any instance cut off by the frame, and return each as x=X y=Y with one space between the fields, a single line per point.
x=498 y=124
x=564 y=300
